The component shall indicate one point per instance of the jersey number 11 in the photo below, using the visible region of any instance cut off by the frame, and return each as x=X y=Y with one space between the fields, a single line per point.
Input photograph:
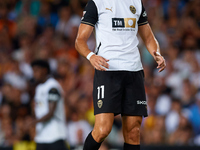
x=100 y=90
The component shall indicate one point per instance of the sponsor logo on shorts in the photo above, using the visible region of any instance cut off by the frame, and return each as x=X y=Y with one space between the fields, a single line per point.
x=100 y=103
x=141 y=102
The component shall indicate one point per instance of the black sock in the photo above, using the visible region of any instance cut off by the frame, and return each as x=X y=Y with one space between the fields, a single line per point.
x=90 y=143
x=131 y=147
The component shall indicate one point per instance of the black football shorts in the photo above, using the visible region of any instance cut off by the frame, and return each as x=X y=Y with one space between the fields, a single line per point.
x=119 y=92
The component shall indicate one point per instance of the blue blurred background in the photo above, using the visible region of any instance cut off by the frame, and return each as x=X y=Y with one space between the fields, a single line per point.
x=47 y=29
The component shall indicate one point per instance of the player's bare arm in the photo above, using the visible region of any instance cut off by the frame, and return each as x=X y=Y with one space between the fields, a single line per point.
x=49 y=115
x=81 y=46
x=152 y=45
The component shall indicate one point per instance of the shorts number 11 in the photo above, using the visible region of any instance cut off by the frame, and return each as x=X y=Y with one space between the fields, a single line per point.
x=100 y=90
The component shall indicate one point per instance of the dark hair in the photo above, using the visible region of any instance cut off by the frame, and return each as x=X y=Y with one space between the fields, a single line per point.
x=41 y=63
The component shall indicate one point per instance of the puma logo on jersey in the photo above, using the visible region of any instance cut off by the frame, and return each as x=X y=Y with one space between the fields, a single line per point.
x=109 y=9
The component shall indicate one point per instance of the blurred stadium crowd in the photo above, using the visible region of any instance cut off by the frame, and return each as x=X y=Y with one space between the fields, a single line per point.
x=47 y=29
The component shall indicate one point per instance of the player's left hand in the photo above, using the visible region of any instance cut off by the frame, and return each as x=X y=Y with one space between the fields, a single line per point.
x=160 y=61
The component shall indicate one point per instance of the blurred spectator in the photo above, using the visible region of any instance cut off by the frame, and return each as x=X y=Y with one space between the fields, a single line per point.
x=24 y=7
x=46 y=17
x=67 y=21
x=194 y=116
x=183 y=134
x=173 y=117
x=77 y=130
x=6 y=25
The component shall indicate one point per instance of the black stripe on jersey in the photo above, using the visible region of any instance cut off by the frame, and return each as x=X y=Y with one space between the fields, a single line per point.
x=53 y=94
x=90 y=16
x=98 y=48
x=143 y=17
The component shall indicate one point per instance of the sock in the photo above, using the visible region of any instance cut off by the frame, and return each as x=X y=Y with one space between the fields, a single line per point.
x=131 y=147
x=90 y=143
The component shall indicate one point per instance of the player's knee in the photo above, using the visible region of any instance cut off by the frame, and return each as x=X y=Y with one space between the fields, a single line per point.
x=134 y=134
x=103 y=133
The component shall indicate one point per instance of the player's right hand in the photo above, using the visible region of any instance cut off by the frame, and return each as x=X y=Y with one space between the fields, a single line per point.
x=99 y=62
x=160 y=61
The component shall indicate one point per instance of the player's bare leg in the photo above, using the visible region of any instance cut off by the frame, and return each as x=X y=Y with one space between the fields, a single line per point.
x=131 y=131
x=102 y=127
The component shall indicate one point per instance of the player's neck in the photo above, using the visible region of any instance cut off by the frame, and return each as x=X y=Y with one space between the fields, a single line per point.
x=45 y=79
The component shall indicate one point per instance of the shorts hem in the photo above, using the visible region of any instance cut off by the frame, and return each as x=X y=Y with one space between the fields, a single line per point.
x=123 y=114
x=115 y=114
x=129 y=114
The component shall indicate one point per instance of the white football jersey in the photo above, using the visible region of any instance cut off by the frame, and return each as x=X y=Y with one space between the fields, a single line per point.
x=116 y=26
x=54 y=129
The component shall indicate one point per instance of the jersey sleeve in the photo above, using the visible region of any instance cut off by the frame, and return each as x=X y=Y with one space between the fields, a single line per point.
x=90 y=14
x=53 y=95
x=143 y=17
